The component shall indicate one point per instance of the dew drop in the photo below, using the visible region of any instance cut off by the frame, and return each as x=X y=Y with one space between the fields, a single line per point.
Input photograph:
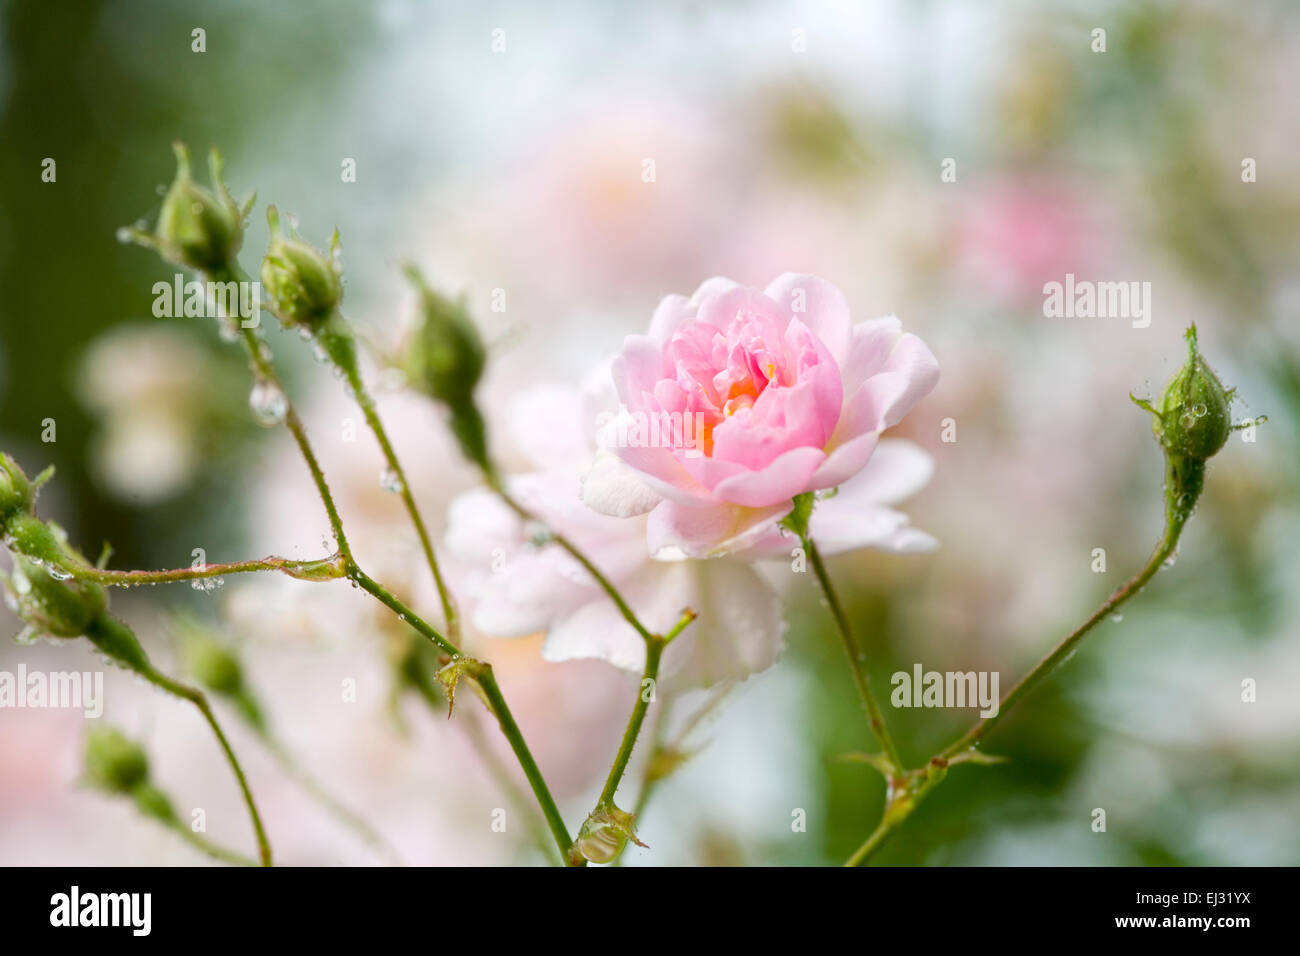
x=268 y=403
x=1117 y=618
x=389 y=480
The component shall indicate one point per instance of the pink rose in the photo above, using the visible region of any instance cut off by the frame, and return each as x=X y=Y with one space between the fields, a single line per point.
x=738 y=400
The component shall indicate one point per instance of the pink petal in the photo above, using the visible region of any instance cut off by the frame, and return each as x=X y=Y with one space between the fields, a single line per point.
x=677 y=530
x=825 y=309
x=776 y=484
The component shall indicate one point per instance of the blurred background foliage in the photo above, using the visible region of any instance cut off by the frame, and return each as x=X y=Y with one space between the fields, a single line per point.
x=515 y=172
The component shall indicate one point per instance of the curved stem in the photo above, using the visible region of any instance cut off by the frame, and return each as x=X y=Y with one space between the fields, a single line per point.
x=857 y=658
x=367 y=403
x=199 y=700
x=495 y=483
x=964 y=747
x=1058 y=654
x=206 y=846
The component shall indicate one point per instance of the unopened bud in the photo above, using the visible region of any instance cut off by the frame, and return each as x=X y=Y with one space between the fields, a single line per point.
x=57 y=606
x=1193 y=417
x=199 y=228
x=304 y=284
x=213 y=664
x=445 y=360
x=114 y=762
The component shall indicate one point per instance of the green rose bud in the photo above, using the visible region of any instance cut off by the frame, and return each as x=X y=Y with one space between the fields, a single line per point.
x=199 y=229
x=304 y=285
x=446 y=356
x=1192 y=424
x=213 y=664
x=445 y=360
x=1193 y=417
x=114 y=762
x=55 y=606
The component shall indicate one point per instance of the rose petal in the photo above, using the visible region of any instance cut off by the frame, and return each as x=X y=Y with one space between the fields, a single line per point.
x=824 y=310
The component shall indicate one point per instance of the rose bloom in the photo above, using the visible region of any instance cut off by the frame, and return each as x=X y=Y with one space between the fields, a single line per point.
x=785 y=393
x=511 y=585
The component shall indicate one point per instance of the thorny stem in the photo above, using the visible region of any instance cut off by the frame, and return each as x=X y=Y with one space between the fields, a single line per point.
x=857 y=658
x=900 y=803
x=318 y=569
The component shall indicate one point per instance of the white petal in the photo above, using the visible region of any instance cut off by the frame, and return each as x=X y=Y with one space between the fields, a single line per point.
x=897 y=470
x=613 y=488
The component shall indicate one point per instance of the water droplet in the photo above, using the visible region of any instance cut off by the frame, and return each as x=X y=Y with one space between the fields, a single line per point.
x=389 y=480
x=1199 y=410
x=58 y=573
x=1117 y=618
x=268 y=402
x=1170 y=561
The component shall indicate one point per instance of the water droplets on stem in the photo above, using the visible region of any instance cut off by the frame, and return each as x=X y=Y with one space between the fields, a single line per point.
x=269 y=403
x=390 y=480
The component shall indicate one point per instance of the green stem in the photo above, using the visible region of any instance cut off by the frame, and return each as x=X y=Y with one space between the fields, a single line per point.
x=492 y=694
x=259 y=358
x=964 y=746
x=495 y=483
x=1050 y=662
x=497 y=704
x=363 y=398
x=197 y=698
x=206 y=846
x=320 y=569
x=857 y=658
x=899 y=804
x=654 y=650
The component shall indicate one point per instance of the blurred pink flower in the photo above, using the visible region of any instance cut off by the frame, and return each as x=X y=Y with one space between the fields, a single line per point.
x=1016 y=236
x=512 y=586
x=752 y=398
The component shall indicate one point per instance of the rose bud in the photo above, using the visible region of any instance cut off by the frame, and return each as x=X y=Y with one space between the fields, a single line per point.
x=114 y=762
x=1193 y=418
x=304 y=284
x=199 y=229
